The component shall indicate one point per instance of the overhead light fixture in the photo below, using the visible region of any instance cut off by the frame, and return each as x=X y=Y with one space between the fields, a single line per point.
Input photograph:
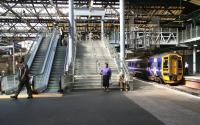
x=195 y=45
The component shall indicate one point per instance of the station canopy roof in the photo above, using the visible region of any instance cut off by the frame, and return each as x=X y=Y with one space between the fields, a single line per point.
x=22 y=19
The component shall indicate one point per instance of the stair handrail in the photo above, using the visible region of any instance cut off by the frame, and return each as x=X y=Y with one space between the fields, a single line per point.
x=121 y=65
x=96 y=58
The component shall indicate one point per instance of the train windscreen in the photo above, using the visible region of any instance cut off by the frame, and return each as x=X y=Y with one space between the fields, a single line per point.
x=165 y=65
x=179 y=63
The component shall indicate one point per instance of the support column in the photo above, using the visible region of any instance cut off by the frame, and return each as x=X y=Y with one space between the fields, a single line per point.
x=191 y=31
x=177 y=37
x=71 y=28
x=194 y=60
x=196 y=31
x=13 y=57
x=122 y=34
x=114 y=35
x=102 y=29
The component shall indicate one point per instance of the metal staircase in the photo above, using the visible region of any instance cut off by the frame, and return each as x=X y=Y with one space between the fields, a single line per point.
x=91 y=56
x=40 y=56
x=57 y=69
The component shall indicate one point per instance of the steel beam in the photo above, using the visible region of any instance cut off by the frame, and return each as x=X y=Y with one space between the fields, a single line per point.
x=45 y=7
x=16 y=14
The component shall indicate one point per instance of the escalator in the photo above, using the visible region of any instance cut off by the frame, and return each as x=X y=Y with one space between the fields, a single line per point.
x=57 y=69
x=44 y=61
x=40 y=56
x=9 y=83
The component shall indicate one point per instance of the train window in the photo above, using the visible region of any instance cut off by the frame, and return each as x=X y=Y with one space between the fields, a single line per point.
x=149 y=64
x=154 y=64
x=159 y=64
x=143 y=65
x=179 y=64
x=133 y=64
x=138 y=65
x=129 y=64
x=165 y=64
x=165 y=74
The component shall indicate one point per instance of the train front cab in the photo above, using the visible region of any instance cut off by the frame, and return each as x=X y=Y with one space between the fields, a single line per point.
x=172 y=70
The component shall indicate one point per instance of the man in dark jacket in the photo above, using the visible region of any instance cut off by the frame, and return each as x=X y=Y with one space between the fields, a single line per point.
x=23 y=79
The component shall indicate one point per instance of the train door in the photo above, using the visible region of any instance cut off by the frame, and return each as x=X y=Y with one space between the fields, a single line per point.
x=174 y=65
x=165 y=67
x=180 y=69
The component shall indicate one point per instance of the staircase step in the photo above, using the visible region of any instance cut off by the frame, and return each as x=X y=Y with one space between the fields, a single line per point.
x=87 y=75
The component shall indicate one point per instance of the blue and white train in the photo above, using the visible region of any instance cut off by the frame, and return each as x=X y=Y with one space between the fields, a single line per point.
x=162 y=68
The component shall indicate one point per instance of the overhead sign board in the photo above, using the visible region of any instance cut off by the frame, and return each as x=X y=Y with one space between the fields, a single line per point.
x=89 y=12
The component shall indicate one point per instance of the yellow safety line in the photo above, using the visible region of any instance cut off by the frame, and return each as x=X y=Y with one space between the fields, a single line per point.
x=43 y=95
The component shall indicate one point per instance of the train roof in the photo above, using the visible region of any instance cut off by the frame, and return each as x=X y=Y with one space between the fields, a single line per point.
x=145 y=57
x=134 y=59
x=164 y=54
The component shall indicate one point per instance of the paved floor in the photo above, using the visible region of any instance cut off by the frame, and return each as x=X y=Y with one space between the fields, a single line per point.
x=78 y=108
x=170 y=106
x=146 y=105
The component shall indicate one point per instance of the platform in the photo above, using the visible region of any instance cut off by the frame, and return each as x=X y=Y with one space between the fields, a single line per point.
x=146 y=105
x=192 y=81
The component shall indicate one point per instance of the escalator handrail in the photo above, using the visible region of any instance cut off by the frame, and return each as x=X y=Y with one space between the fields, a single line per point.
x=66 y=64
x=48 y=51
x=50 y=62
x=32 y=56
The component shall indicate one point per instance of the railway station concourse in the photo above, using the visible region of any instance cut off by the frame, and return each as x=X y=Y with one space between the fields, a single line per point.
x=65 y=44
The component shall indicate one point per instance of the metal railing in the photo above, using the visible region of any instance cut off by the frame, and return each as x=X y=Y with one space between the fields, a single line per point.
x=94 y=53
x=9 y=83
x=41 y=80
x=189 y=34
x=121 y=65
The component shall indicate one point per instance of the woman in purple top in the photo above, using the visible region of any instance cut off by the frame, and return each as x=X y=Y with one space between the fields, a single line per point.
x=106 y=72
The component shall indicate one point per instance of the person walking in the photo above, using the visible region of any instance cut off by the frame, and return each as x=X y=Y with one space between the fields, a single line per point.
x=106 y=73
x=23 y=79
